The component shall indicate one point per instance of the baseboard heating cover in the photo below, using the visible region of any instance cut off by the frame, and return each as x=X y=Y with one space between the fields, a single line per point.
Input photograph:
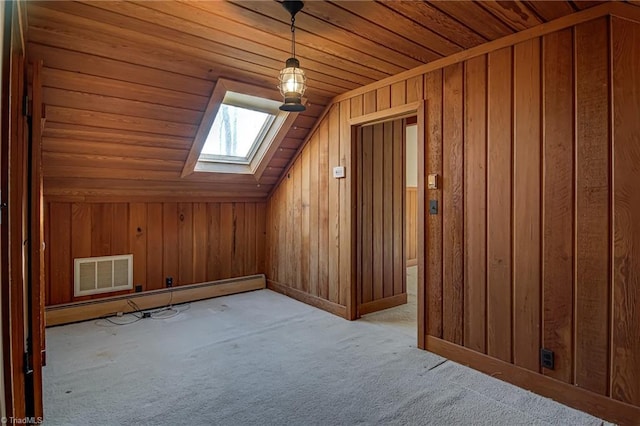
x=92 y=309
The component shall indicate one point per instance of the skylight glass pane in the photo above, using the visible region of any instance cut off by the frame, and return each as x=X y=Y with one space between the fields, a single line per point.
x=234 y=131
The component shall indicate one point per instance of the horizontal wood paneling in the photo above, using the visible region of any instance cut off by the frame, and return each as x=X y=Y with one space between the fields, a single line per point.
x=191 y=242
x=147 y=70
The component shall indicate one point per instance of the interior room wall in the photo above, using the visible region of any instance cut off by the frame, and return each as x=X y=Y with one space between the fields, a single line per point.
x=533 y=246
x=411 y=200
x=412 y=155
x=191 y=242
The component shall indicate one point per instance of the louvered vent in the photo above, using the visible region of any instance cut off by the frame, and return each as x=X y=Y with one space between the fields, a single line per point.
x=94 y=275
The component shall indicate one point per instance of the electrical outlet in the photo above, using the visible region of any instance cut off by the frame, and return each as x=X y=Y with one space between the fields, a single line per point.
x=547 y=358
x=169 y=282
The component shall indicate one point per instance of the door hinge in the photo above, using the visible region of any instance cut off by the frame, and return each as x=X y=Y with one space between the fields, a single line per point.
x=26 y=106
x=27 y=366
x=3 y=206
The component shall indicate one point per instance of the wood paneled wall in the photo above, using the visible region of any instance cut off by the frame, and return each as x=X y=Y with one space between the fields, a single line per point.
x=191 y=242
x=535 y=244
x=534 y=214
x=411 y=228
x=380 y=189
x=308 y=234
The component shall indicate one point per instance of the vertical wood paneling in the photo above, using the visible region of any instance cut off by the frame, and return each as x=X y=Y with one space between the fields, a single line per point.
x=534 y=181
x=592 y=204
x=625 y=374
x=499 y=136
x=59 y=248
x=314 y=230
x=415 y=90
x=356 y=106
x=558 y=202
x=475 y=201
x=346 y=208
x=296 y=246
x=398 y=93
x=251 y=240
x=238 y=240
x=366 y=221
x=369 y=102
x=323 y=211
x=138 y=242
x=261 y=240
x=185 y=244
x=452 y=204
x=387 y=210
x=334 y=205
x=398 y=189
x=155 y=246
x=305 y=254
x=101 y=229
x=380 y=224
x=166 y=239
x=378 y=202
x=383 y=98
x=200 y=240
x=411 y=218
x=214 y=271
x=433 y=161
x=80 y=231
x=526 y=205
x=170 y=242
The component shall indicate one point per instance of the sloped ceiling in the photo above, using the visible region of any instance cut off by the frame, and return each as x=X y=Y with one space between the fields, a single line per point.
x=126 y=83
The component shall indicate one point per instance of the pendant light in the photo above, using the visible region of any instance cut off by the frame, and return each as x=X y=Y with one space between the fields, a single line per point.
x=292 y=81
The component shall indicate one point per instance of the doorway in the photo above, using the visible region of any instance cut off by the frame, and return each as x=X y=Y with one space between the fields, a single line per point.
x=386 y=231
x=385 y=199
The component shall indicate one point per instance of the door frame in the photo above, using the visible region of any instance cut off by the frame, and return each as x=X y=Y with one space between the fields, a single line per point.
x=402 y=111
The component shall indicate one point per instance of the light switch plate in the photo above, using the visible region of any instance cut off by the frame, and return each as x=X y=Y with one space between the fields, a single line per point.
x=432 y=181
x=338 y=172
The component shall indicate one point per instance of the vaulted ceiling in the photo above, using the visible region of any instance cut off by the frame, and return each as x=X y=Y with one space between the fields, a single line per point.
x=126 y=83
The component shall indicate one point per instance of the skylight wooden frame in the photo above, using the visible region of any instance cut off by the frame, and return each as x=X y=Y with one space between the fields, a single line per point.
x=263 y=153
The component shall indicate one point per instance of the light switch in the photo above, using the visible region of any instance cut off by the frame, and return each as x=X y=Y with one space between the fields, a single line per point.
x=338 y=172
x=432 y=181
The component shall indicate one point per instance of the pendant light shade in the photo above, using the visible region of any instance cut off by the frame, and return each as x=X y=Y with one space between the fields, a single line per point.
x=292 y=81
x=292 y=85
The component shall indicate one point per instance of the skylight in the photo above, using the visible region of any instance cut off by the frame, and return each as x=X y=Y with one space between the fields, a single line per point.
x=240 y=130
x=235 y=131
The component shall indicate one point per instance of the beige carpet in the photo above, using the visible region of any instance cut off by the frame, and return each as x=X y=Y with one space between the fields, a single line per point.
x=261 y=358
x=402 y=318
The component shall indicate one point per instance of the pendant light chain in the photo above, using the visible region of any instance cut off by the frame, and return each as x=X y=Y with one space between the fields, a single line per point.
x=293 y=36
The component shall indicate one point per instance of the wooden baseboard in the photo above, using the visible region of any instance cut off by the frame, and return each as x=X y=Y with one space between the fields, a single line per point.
x=82 y=311
x=309 y=299
x=379 y=305
x=573 y=396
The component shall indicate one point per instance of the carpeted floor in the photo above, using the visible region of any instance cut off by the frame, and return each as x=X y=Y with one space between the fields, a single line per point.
x=261 y=358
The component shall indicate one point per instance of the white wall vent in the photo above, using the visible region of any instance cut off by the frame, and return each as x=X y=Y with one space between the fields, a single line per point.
x=95 y=275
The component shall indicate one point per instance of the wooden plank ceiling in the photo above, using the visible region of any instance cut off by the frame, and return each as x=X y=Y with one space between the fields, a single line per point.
x=126 y=83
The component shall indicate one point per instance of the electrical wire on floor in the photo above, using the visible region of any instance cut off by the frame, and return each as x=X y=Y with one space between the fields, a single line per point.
x=138 y=314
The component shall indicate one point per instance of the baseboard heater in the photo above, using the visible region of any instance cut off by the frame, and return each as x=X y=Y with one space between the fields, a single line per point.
x=92 y=309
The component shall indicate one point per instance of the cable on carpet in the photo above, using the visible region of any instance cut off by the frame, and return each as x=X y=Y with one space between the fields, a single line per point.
x=165 y=312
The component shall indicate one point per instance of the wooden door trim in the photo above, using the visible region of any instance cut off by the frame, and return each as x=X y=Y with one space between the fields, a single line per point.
x=418 y=109
x=388 y=114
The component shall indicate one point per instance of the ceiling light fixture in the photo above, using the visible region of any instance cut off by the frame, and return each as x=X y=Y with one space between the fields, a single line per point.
x=292 y=81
